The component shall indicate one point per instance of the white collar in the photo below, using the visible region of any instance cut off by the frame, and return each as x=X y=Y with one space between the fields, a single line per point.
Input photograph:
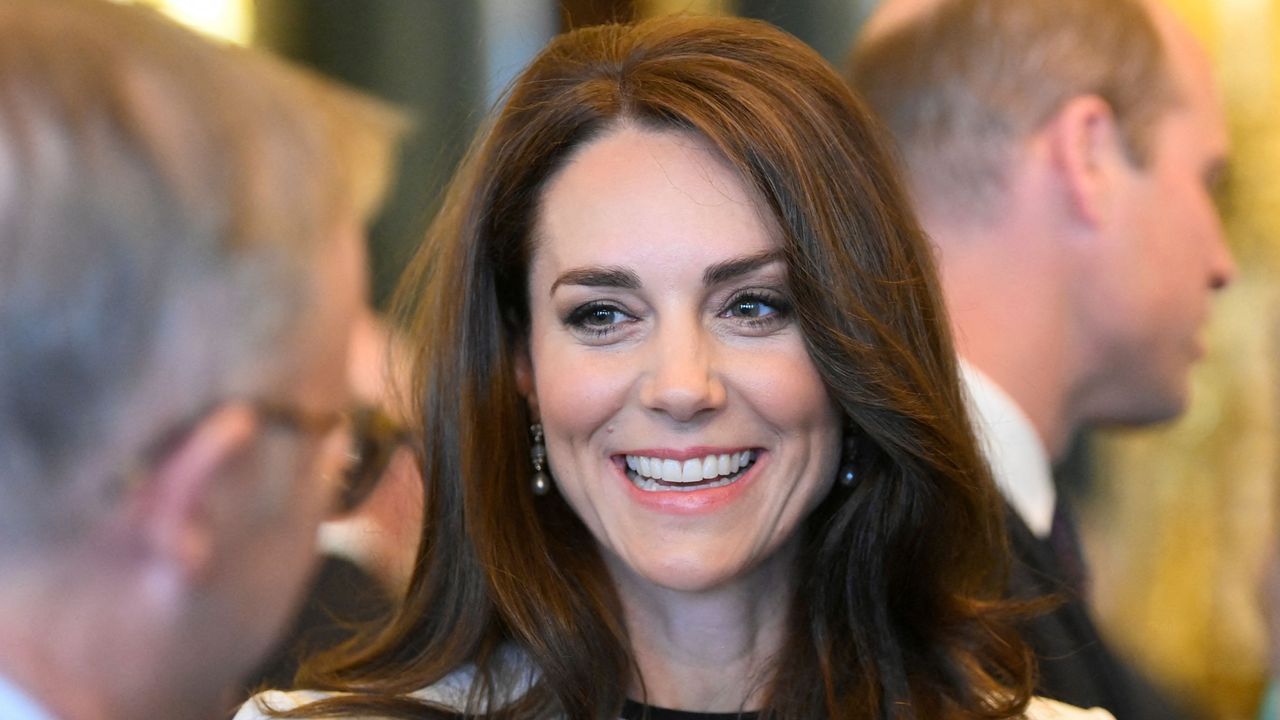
x=14 y=703
x=1017 y=455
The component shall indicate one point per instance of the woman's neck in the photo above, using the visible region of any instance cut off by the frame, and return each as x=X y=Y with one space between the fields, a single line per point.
x=708 y=651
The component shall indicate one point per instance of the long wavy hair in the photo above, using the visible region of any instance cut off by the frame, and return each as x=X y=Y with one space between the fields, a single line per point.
x=895 y=614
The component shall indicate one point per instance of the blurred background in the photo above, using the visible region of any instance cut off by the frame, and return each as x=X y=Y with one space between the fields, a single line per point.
x=1178 y=520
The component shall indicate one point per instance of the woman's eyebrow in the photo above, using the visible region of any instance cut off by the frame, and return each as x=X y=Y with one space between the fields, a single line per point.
x=617 y=277
x=730 y=269
x=598 y=277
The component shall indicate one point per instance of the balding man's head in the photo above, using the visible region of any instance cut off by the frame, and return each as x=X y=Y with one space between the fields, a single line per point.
x=892 y=14
x=1073 y=145
x=961 y=82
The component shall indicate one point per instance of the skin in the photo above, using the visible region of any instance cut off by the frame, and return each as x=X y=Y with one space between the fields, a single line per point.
x=1168 y=257
x=185 y=580
x=1085 y=295
x=633 y=352
x=279 y=566
x=381 y=535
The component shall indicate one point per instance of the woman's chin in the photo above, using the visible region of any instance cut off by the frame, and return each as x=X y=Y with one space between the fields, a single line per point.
x=683 y=572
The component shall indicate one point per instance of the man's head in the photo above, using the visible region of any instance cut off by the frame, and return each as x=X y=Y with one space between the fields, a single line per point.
x=181 y=260
x=1084 y=139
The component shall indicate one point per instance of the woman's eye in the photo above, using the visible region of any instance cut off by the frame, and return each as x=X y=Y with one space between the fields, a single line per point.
x=756 y=308
x=751 y=309
x=601 y=316
x=597 y=319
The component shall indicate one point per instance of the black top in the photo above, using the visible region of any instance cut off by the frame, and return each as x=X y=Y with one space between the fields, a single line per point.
x=632 y=710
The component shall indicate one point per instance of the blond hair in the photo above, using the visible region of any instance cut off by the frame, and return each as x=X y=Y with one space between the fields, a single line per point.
x=959 y=85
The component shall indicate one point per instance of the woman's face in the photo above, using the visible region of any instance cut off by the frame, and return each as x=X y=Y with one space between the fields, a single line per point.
x=685 y=422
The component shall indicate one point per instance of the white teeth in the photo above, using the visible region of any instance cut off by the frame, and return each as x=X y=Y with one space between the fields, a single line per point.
x=690 y=471
x=672 y=472
x=695 y=471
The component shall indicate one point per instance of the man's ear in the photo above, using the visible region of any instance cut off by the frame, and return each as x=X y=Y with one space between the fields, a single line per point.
x=176 y=501
x=524 y=376
x=1085 y=146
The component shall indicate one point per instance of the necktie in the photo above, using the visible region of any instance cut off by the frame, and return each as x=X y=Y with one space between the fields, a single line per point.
x=1065 y=542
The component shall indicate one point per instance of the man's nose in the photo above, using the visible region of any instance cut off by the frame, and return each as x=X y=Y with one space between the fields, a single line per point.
x=1222 y=263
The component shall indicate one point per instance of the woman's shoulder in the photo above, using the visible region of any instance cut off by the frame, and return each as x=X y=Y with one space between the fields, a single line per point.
x=450 y=693
x=1039 y=709
x=256 y=707
x=511 y=671
x=1046 y=709
x=259 y=706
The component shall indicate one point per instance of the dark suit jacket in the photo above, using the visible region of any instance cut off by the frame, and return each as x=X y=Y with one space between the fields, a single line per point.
x=1076 y=666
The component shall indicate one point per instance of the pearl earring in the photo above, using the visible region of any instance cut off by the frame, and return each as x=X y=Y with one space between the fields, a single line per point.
x=848 y=475
x=538 y=454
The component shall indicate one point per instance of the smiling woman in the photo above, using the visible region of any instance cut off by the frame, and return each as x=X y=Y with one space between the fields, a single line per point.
x=678 y=275
x=662 y=336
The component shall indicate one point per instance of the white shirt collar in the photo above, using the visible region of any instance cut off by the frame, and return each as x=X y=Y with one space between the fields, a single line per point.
x=1017 y=456
x=16 y=704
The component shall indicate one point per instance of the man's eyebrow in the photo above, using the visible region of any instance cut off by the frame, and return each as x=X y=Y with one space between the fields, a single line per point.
x=598 y=277
x=730 y=269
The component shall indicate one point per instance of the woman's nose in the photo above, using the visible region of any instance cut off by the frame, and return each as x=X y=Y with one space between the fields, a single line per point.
x=682 y=381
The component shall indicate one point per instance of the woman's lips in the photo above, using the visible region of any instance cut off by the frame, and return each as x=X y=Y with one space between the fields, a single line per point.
x=698 y=494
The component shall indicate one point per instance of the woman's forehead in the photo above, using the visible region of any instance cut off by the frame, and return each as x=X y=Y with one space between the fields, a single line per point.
x=652 y=197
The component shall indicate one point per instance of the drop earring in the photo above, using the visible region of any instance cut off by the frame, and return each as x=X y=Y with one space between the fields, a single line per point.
x=538 y=455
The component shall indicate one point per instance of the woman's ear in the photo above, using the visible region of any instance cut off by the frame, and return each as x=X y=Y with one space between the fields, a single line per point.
x=524 y=377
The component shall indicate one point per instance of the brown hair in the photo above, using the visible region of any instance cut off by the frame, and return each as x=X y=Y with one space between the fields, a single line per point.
x=162 y=201
x=960 y=84
x=893 y=616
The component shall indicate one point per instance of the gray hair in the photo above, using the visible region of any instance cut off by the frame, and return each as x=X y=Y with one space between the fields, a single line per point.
x=162 y=202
